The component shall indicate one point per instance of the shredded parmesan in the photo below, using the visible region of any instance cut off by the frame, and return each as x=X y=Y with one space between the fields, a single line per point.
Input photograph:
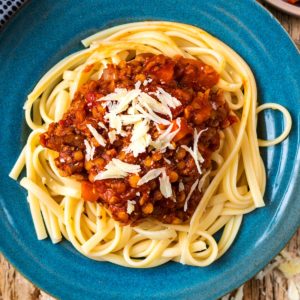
x=151 y=115
x=111 y=172
x=117 y=169
x=202 y=181
x=137 y=108
x=193 y=187
x=137 y=85
x=131 y=119
x=129 y=168
x=130 y=206
x=112 y=136
x=165 y=185
x=196 y=155
x=173 y=196
x=166 y=98
x=124 y=104
x=155 y=105
x=167 y=161
x=99 y=138
x=139 y=130
x=114 y=121
x=101 y=124
x=90 y=150
x=185 y=147
x=196 y=141
x=139 y=146
x=180 y=186
x=152 y=174
x=147 y=81
x=140 y=139
x=164 y=140
x=117 y=95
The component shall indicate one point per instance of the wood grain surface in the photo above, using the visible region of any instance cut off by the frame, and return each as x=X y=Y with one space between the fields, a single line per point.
x=13 y=286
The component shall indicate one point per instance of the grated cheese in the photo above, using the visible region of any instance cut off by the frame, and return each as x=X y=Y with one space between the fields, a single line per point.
x=137 y=108
x=139 y=130
x=137 y=85
x=131 y=119
x=147 y=81
x=166 y=98
x=202 y=181
x=99 y=138
x=100 y=124
x=196 y=140
x=139 y=146
x=140 y=139
x=151 y=115
x=180 y=186
x=189 y=150
x=126 y=100
x=114 y=121
x=117 y=95
x=164 y=140
x=90 y=150
x=167 y=161
x=112 y=172
x=123 y=133
x=117 y=169
x=165 y=185
x=112 y=136
x=155 y=105
x=152 y=174
x=173 y=196
x=130 y=206
x=129 y=168
x=196 y=155
x=164 y=181
x=190 y=194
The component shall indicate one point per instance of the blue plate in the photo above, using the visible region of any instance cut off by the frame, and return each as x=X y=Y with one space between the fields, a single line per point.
x=46 y=31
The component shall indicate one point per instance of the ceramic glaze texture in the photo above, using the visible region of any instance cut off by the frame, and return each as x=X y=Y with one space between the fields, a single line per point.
x=46 y=31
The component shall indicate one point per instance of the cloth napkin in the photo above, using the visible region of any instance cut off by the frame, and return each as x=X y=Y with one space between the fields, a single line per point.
x=8 y=8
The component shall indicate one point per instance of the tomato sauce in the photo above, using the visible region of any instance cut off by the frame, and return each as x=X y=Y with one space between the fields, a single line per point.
x=203 y=106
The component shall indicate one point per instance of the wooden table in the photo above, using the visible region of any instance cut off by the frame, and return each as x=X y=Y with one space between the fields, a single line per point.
x=13 y=286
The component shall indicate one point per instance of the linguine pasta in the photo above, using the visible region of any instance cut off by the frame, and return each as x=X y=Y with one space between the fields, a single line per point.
x=234 y=187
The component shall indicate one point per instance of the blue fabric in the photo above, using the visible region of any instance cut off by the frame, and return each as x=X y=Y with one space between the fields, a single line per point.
x=46 y=31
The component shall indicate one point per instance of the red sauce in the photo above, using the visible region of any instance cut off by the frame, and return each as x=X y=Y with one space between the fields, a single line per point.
x=202 y=107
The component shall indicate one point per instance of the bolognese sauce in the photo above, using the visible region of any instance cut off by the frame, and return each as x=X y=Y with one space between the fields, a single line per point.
x=158 y=119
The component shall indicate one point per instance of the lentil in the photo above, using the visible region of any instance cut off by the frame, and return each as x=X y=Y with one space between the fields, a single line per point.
x=190 y=81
